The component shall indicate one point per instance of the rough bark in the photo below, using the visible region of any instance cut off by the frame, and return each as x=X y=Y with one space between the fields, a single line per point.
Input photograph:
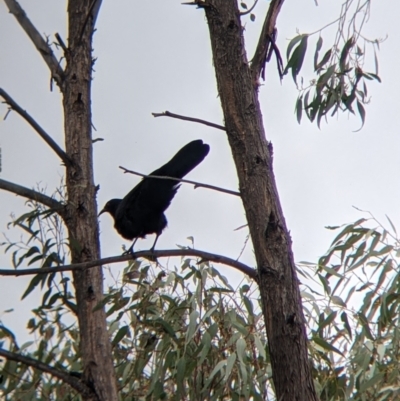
x=279 y=286
x=82 y=214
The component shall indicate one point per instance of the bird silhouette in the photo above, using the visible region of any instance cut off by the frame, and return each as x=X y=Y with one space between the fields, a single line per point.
x=141 y=212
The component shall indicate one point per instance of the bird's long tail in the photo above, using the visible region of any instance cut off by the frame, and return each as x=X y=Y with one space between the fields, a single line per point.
x=185 y=160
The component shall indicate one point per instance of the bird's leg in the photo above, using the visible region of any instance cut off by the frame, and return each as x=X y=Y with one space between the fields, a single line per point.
x=152 y=257
x=130 y=250
x=155 y=241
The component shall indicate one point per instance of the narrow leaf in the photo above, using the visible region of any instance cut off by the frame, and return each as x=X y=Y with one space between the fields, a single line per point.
x=317 y=49
x=344 y=319
x=378 y=378
x=34 y=282
x=328 y=320
x=122 y=332
x=229 y=365
x=324 y=344
x=376 y=63
x=325 y=59
x=361 y=111
x=364 y=323
x=220 y=365
x=259 y=345
x=296 y=60
x=391 y=224
x=192 y=325
x=345 y=52
x=299 y=108
x=240 y=348
x=338 y=301
x=293 y=43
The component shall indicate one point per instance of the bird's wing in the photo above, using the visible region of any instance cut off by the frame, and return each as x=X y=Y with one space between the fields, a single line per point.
x=138 y=214
x=155 y=194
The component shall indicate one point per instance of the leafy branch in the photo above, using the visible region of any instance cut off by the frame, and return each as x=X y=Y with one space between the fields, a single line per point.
x=66 y=377
x=341 y=78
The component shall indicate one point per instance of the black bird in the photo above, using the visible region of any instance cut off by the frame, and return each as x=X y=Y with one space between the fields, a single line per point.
x=141 y=212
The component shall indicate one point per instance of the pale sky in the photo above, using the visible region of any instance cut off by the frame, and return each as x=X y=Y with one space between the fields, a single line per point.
x=154 y=56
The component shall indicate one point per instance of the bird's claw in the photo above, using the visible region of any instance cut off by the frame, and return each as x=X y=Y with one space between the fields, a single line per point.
x=152 y=256
x=128 y=252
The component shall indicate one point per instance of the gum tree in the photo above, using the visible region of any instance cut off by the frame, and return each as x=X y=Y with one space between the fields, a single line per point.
x=238 y=82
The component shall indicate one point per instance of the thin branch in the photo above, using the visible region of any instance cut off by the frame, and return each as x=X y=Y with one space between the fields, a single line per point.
x=42 y=46
x=95 y=11
x=198 y=3
x=34 y=195
x=250 y=9
x=74 y=382
x=205 y=256
x=61 y=42
x=196 y=184
x=45 y=136
x=279 y=62
x=92 y=14
x=195 y=120
x=267 y=32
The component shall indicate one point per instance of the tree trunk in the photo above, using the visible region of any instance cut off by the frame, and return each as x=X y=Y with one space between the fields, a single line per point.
x=82 y=215
x=279 y=286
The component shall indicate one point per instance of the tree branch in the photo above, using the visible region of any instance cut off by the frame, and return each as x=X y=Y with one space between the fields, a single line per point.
x=267 y=32
x=42 y=46
x=195 y=120
x=34 y=195
x=205 y=256
x=61 y=42
x=93 y=12
x=196 y=184
x=74 y=382
x=46 y=137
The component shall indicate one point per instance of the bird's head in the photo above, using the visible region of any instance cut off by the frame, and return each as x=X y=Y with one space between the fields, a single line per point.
x=111 y=207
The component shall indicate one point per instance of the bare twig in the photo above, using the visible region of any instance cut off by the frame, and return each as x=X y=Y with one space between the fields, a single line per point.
x=95 y=10
x=91 y=12
x=244 y=246
x=196 y=184
x=34 y=195
x=61 y=42
x=195 y=120
x=198 y=3
x=260 y=55
x=249 y=271
x=45 y=136
x=74 y=382
x=44 y=49
x=279 y=61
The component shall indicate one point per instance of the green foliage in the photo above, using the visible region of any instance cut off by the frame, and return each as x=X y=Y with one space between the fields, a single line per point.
x=184 y=333
x=43 y=246
x=340 y=83
x=55 y=344
x=352 y=304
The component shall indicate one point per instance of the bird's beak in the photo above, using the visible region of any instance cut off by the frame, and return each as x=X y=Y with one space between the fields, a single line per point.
x=101 y=212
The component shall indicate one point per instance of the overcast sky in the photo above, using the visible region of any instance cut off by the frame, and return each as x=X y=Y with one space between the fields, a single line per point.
x=154 y=56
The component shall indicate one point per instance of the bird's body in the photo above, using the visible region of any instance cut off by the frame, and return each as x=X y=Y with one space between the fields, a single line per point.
x=141 y=212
